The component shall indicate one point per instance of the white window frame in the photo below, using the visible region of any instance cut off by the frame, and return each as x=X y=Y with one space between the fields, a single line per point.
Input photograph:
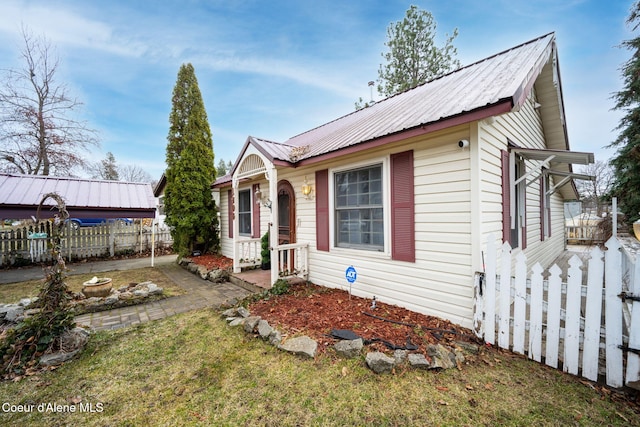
x=386 y=207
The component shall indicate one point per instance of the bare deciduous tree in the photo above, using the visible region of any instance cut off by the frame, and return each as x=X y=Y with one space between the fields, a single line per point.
x=133 y=173
x=596 y=193
x=39 y=132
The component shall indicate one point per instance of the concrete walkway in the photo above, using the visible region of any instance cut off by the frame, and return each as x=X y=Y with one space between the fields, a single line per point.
x=199 y=293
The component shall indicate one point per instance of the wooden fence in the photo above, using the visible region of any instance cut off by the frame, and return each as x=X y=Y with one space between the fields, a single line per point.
x=584 y=327
x=30 y=244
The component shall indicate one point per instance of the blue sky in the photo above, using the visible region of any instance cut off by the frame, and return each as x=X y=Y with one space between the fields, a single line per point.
x=273 y=69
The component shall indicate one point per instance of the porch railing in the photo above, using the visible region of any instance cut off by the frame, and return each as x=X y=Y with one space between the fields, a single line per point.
x=248 y=252
x=293 y=260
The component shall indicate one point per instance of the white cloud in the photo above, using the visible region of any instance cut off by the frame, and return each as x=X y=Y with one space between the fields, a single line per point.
x=64 y=27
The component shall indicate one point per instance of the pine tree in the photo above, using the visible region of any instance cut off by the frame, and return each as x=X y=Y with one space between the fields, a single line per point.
x=189 y=206
x=626 y=163
x=413 y=58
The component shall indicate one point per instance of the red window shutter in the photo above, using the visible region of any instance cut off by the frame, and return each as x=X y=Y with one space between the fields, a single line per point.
x=403 y=241
x=506 y=198
x=322 y=210
x=230 y=212
x=255 y=227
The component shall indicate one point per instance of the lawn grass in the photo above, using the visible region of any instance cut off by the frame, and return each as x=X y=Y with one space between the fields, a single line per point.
x=193 y=369
x=13 y=292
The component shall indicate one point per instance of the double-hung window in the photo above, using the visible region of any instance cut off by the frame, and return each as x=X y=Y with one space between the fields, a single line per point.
x=359 y=208
x=244 y=212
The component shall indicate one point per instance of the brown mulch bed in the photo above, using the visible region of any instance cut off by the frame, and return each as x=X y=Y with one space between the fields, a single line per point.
x=314 y=311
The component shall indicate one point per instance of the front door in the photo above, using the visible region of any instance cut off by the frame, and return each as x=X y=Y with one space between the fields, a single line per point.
x=286 y=213
x=286 y=223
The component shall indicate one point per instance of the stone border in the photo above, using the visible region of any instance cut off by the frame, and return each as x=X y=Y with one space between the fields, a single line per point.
x=439 y=356
x=218 y=275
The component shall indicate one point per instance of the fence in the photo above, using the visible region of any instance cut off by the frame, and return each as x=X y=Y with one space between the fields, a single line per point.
x=29 y=244
x=584 y=326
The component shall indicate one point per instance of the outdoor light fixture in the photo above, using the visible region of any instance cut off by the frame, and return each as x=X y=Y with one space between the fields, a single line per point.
x=266 y=202
x=307 y=189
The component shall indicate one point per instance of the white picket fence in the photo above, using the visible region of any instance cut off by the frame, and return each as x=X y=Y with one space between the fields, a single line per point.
x=560 y=323
x=31 y=243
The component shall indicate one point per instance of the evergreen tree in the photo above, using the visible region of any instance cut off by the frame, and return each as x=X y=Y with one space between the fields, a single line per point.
x=189 y=206
x=413 y=58
x=626 y=163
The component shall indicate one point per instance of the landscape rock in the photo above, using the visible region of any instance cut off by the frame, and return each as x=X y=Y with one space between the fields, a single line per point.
x=218 y=276
x=243 y=312
x=230 y=312
x=111 y=299
x=74 y=339
x=379 y=362
x=349 y=348
x=54 y=359
x=468 y=347
x=275 y=338
x=264 y=329
x=141 y=293
x=400 y=356
x=250 y=323
x=237 y=321
x=24 y=302
x=202 y=271
x=418 y=361
x=14 y=313
x=302 y=346
x=154 y=289
x=441 y=357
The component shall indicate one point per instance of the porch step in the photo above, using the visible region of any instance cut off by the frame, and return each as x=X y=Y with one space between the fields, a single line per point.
x=245 y=285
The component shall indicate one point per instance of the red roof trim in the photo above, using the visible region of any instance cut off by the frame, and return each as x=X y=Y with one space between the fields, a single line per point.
x=500 y=107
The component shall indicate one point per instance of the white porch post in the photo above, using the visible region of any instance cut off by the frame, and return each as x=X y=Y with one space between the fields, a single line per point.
x=275 y=229
x=236 y=227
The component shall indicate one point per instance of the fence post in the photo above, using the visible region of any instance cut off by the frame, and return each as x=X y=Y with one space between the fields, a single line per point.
x=554 y=295
x=490 y=292
x=535 y=322
x=592 y=322
x=633 y=359
x=572 y=316
x=520 y=303
x=613 y=312
x=505 y=296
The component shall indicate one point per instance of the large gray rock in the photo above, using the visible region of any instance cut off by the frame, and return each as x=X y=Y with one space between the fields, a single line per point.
x=302 y=346
x=14 y=313
x=275 y=338
x=379 y=362
x=400 y=356
x=418 y=361
x=441 y=357
x=56 y=358
x=230 y=312
x=218 y=276
x=202 y=271
x=250 y=323
x=74 y=339
x=236 y=321
x=243 y=312
x=349 y=348
x=264 y=329
x=154 y=289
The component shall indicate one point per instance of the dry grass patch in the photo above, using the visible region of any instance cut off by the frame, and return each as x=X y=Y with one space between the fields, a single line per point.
x=13 y=292
x=192 y=369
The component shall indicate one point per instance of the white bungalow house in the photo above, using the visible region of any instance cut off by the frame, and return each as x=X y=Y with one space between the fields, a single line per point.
x=408 y=190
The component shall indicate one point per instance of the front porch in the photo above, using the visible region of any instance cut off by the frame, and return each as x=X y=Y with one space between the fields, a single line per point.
x=260 y=278
x=290 y=262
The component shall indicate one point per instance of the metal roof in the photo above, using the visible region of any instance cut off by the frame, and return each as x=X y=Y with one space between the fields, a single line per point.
x=502 y=78
x=20 y=196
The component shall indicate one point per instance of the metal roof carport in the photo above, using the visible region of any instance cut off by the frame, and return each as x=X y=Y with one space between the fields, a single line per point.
x=20 y=196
